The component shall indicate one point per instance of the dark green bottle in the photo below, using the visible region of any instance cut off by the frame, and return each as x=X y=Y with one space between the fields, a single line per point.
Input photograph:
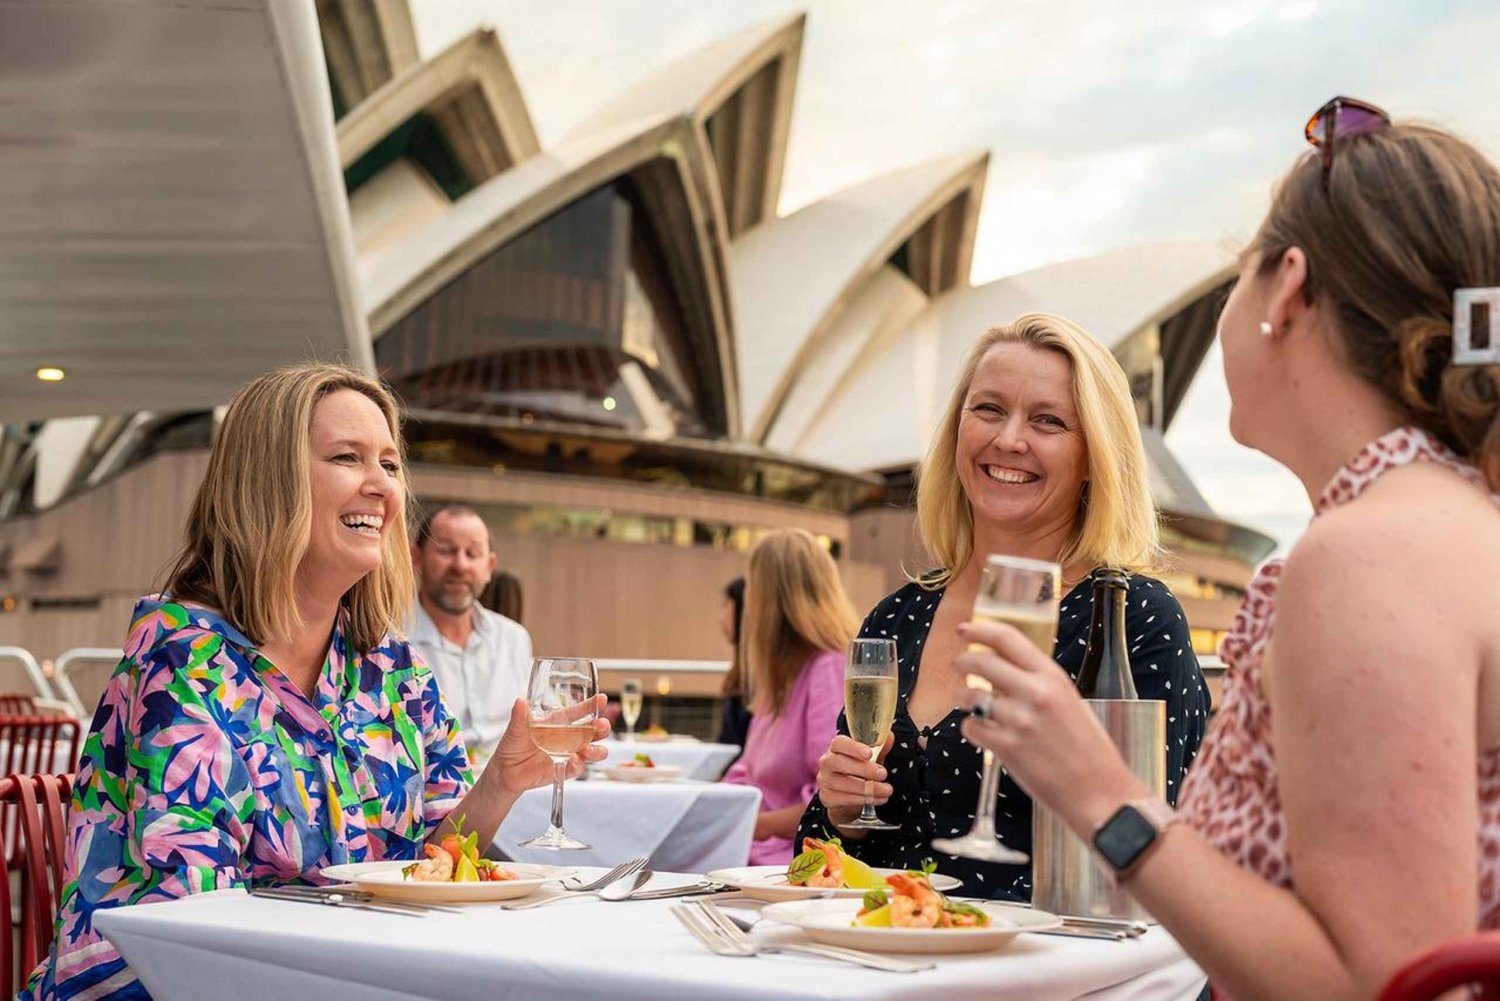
x=1105 y=673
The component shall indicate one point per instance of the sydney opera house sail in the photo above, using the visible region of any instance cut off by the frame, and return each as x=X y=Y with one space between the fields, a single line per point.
x=616 y=346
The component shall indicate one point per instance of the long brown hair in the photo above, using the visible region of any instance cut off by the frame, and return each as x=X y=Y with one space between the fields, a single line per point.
x=1116 y=524
x=795 y=606
x=1410 y=213
x=251 y=520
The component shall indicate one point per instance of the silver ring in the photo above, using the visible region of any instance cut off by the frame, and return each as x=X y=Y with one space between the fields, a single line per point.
x=985 y=705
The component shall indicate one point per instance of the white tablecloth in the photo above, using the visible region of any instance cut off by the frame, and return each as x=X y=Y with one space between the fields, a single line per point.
x=682 y=826
x=233 y=947
x=697 y=759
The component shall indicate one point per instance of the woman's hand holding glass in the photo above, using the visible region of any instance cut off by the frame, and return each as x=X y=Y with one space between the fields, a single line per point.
x=846 y=772
x=1036 y=722
x=522 y=765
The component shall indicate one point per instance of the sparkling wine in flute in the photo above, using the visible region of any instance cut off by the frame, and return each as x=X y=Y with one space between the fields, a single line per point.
x=870 y=707
x=562 y=739
x=1037 y=622
x=630 y=707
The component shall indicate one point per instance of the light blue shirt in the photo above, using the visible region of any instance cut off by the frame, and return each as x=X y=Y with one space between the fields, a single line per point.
x=481 y=681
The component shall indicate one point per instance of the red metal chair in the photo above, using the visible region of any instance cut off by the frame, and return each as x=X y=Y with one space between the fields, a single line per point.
x=1473 y=960
x=33 y=745
x=41 y=801
x=17 y=704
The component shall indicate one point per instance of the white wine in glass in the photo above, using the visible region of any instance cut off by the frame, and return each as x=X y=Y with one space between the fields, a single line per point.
x=1022 y=593
x=562 y=695
x=870 y=709
x=630 y=705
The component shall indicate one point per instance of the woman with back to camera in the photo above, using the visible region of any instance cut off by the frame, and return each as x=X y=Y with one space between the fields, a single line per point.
x=1038 y=454
x=266 y=720
x=1345 y=810
x=796 y=631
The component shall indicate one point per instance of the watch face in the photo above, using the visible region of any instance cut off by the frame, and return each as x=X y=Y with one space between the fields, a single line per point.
x=1124 y=837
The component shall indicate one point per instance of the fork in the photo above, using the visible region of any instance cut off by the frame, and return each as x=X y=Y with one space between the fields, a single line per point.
x=720 y=936
x=622 y=871
x=573 y=885
x=352 y=895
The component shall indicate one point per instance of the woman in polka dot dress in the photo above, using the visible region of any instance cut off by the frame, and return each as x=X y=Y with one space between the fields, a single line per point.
x=1038 y=454
x=1344 y=814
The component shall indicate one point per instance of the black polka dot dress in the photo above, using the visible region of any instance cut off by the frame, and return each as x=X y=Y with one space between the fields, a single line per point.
x=937 y=787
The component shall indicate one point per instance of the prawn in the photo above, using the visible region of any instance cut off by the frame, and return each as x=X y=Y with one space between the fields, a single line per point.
x=832 y=873
x=915 y=903
x=437 y=867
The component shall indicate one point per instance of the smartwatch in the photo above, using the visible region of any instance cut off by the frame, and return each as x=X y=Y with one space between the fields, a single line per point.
x=1126 y=838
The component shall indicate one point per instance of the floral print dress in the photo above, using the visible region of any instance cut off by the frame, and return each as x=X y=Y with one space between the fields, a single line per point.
x=206 y=768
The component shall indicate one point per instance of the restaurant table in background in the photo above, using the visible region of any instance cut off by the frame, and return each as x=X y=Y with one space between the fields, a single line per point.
x=242 y=948
x=681 y=826
x=697 y=759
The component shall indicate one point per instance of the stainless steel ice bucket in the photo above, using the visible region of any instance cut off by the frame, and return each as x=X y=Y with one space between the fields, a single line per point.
x=1065 y=877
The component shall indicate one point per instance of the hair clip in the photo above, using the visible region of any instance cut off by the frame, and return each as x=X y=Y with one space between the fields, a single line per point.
x=1476 y=326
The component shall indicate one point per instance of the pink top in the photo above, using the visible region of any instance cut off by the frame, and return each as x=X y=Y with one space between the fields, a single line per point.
x=1230 y=795
x=782 y=752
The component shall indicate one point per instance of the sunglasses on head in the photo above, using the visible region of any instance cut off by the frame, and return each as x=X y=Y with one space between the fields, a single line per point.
x=1342 y=118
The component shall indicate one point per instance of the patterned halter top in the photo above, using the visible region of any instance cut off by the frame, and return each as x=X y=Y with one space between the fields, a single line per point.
x=1231 y=795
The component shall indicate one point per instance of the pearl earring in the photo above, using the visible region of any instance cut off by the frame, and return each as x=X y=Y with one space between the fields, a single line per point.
x=1265 y=328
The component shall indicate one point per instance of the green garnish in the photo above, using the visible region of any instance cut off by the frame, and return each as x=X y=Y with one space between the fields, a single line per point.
x=927 y=868
x=874 y=899
x=645 y=760
x=805 y=867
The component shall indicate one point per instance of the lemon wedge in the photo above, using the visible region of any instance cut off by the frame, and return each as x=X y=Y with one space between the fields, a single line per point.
x=880 y=917
x=858 y=876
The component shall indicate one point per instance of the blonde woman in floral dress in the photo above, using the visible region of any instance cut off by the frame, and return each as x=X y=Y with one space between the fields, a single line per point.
x=266 y=720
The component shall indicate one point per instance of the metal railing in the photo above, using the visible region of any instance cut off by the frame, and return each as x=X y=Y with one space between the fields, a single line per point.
x=61 y=669
x=33 y=670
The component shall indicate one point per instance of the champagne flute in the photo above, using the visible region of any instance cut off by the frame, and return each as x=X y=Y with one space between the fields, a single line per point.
x=561 y=694
x=630 y=705
x=870 y=708
x=1023 y=593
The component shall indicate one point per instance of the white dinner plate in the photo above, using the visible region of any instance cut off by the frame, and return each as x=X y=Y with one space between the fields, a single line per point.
x=384 y=879
x=768 y=882
x=637 y=773
x=831 y=922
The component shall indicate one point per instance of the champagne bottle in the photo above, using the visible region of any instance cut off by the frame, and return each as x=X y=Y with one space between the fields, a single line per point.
x=1105 y=673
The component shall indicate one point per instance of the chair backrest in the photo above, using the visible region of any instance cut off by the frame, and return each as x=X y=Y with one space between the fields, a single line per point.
x=41 y=801
x=33 y=745
x=1473 y=960
x=19 y=672
x=17 y=704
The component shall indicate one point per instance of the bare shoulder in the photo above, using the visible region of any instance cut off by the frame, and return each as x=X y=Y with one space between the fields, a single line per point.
x=1406 y=569
x=1422 y=523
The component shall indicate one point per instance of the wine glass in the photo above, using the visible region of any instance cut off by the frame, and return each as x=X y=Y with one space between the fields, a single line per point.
x=870 y=708
x=630 y=705
x=1024 y=594
x=561 y=694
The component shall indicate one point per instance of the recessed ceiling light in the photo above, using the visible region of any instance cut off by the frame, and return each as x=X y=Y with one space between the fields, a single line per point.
x=609 y=403
x=49 y=373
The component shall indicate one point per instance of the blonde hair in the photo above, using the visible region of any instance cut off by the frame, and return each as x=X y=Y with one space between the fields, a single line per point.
x=252 y=518
x=1116 y=524
x=795 y=606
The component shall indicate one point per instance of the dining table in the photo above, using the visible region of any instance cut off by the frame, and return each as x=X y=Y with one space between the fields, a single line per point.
x=238 y=947
x=698 y=759
x=682 y=826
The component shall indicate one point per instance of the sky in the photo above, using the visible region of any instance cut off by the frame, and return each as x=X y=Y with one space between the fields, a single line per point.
x=1110 y=123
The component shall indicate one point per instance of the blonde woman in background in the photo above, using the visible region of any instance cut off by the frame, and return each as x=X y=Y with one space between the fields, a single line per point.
x=796 y=631
x=267 y=720
x=1038 y=455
